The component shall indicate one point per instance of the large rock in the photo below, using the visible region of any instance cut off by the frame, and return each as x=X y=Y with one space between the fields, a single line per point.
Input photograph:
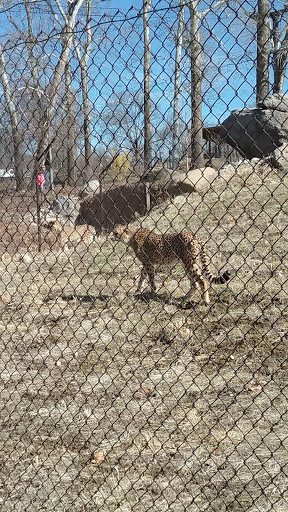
x=279 y=159
x=90 y=188
x=159 y=173
x=178 y=182
x=118 y=205
x=197 y=180
x=257 y=132
x=275 y=102
x=66 y=206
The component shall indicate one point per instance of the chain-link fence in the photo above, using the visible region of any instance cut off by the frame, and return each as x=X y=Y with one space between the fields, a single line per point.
x=126 y=139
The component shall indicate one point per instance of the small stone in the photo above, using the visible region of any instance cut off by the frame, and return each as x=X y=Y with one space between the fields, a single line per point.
x=27 y=258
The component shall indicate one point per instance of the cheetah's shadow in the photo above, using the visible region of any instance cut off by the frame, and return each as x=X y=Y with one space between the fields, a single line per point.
x=81 y=298
x=178 y=302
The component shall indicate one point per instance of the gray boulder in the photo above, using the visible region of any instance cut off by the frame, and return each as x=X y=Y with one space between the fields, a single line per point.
x=257 y=132
x=90 y=188
x=178 y=182
x=275 y=102
x=197 y=180
x=279 y=159
x=66 y=206
x=159 y=173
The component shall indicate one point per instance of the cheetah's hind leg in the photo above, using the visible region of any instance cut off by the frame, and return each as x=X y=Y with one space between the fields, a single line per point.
x=147 y=271
x=204 y=288
x=197 y=281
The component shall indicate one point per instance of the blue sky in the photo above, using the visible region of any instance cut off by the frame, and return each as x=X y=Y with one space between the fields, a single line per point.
x=124 y=5
x=234 y=86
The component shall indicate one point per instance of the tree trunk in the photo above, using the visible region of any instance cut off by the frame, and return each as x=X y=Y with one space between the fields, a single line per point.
x=176 y=150
x=83 y=59
x=19 y=160
x=263 y=36
x=197 y=157
x=87 y=172
x=18 y=149
x=70 y=127
x=30 y=43
x=147 y=100
x=279 y=67
x=279 y=54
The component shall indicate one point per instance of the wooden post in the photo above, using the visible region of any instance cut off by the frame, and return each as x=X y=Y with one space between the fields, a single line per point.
x=101 y=202
x=147 y=196
x=101 y=178
x=52 y=179
x=38 y=207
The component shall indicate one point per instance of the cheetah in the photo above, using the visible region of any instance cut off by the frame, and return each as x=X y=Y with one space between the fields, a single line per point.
x=153 y=249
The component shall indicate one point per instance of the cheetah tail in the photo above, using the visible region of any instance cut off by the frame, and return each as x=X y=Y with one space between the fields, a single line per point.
x=222 y=279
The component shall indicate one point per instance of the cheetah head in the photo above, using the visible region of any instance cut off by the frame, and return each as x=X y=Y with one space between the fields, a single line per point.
x=122 y=233
x=54 y=225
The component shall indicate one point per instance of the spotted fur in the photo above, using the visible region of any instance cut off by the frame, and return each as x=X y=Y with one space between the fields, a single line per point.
x=153 y=249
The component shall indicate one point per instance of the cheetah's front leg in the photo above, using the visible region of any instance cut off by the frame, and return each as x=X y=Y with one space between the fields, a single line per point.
x=142 y=277
x=205 y=287
x=147 y=271
x=193 y=286
x=202 y=286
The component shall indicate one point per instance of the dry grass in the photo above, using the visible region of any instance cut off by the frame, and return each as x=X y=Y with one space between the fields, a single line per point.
x=77 y=344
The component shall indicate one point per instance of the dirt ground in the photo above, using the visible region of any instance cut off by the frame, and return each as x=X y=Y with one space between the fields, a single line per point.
x=185 y=407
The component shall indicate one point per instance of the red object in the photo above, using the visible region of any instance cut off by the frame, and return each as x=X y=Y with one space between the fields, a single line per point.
x=40 y=180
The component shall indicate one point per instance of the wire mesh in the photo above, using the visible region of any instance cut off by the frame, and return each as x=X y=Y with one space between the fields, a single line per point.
x=169 y=120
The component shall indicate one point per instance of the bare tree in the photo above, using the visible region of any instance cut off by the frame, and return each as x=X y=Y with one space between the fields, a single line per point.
x=45 y=99
x=176 y=148
x=197 y=157
x=272 y=39
x=70 y=129
x=147 y=99
x=279 y=47
x=30 y=94
x=17 y=140
x=122 y=122
x=83 y=60
x=66 y=38
x=263 y=37
x=30 y=43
